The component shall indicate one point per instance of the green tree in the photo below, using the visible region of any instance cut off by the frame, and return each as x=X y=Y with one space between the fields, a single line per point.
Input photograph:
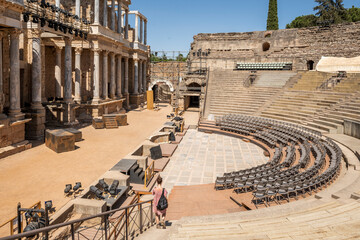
x=273 y=20
x=303 y=21
x=354 y=14
x=332 y=11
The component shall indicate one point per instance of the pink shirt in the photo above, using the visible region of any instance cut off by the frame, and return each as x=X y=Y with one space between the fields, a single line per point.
x=157 y=194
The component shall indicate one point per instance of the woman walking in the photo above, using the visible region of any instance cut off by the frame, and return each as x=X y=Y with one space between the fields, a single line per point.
x=159 y=214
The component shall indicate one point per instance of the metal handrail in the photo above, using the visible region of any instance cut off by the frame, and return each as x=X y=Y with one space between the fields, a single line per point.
x=149 y=173
x=72 y=222
x=37 y=205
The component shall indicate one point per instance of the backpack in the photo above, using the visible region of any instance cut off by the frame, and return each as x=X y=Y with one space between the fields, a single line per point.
x=163 y=203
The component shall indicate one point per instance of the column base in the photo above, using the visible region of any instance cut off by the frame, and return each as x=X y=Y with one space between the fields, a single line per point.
x=3 y=116
x=127 y=102
x=16 y=115
x=69 y=114
x=136 y=100
x=35 y=129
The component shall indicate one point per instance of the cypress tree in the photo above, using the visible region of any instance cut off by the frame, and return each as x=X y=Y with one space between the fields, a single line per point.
x=272 y=21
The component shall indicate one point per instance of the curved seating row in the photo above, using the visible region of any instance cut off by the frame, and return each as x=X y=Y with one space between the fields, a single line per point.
x=284 y=176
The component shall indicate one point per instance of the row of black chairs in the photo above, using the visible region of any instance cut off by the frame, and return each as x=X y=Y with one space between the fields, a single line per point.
x=277 y=180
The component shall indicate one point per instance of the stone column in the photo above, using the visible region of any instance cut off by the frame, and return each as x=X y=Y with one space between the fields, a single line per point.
x=113 y=17
x=145 y=31
x=112 y=76
x=136 y=76
x=68 y=71
x=97 y=11
x=78 y=75
x=118 y=77
x=105 y=22
x=126 y=82
x=136 y=28
x=141 y=30
x=96 y=80
x=140 y=76
x=144 y=77
x=15 y=110
x=126 y=24
x=36 y=69
x=77 y=8
x=58 y=72
x=120 y=22
x=105 y=75
x=2 y=96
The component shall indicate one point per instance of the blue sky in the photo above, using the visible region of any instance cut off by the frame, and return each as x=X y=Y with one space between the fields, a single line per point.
x=173 y=23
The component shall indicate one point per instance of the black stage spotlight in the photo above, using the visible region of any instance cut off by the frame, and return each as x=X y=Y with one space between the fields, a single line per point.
x=26 y=16
x=50 y=23
x=43 y=4
x=53 y=8
x=85 y=36
x=60 y=27
x=81 y=34
x=42 y=22
x=76 y=32
x=70 y=30
x=64 y=29
x=35 y=18
x=56 y=26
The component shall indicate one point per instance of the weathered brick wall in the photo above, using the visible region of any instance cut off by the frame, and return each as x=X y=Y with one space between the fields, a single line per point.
x=295 y=45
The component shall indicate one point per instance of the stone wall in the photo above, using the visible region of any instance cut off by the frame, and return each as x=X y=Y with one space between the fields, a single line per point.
x=223 y=50
x=352 y=128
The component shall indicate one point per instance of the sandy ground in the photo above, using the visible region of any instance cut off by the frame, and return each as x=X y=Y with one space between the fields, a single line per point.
x=39 y=174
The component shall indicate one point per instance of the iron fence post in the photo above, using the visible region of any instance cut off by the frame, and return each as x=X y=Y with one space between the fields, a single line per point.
x=106 y=225
x=126 y=224
x=72 y=232
x=151 y=213
x=19 y=218
x=141 y=219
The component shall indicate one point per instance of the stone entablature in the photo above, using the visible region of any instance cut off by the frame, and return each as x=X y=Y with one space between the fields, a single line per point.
x=222 y=50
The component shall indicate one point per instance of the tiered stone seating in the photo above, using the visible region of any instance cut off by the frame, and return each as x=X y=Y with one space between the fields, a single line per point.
x=299 y=106
x=226 y=94
x=349 y=84
x=309 y=81
x=273 y=79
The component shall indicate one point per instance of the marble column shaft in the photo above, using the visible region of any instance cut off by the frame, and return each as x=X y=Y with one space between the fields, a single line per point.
x=105 y=75
x=113 y=17
x=77 y=8
x=105 y=14
x=97 y=11
x=68 y=71
x=136 y=76
x=78 y=74
x=144 y=76
x=141 y=30
x=136 y=28
x=14 y=74
x=120 y=22
x=118 y=77
x=126 y=82
x=96 y=79
x=58 y=72
x=126 y=24
x=140 y=76
x=145 y=32
x=112 y=76
x=36 y=69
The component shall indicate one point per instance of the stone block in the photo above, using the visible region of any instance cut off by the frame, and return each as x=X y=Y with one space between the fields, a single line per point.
x=98 y=123
x=156 y=152
x=89 y=206
x=121 y=119
x=76 y=132
x=60 y=140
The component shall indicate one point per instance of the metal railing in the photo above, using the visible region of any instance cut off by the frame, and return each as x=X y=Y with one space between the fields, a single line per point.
x=119 y=223
x=149 y=173
x=14 y=220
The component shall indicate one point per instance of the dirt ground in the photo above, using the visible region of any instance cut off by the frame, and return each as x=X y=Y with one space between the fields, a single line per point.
x=39 y=174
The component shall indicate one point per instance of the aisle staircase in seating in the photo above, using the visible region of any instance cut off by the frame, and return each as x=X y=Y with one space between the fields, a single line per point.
x=226 y=94
x=276 y=79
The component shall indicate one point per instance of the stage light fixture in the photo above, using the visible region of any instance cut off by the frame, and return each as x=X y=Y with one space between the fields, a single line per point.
x=85 y=36
x=56 y=26
x=76 y=32
x=42 y=22
x=26 y=16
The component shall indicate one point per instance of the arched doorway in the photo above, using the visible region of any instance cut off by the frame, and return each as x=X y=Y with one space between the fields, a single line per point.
x=266 y=46
x=193 y=98
x=310 y=65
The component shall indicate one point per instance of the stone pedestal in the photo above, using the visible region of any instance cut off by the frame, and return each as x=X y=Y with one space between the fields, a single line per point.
x=69 y=113
x=77 y=133
x=60 y=140
x=121 y=119
x=35 y=129
x=98 y=123
x=136 y=99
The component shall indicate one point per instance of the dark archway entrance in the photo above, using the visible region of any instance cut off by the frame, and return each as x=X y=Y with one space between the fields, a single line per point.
x=310 y=65
x=194 y=102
